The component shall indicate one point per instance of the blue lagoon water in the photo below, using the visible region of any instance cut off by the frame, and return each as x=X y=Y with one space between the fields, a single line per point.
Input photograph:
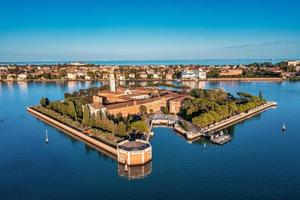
x=259 y=163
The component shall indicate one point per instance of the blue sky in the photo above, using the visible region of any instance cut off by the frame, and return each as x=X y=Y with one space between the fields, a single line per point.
x=47 y=30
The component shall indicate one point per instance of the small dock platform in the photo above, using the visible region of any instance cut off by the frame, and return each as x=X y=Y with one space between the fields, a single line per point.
x=220 y=139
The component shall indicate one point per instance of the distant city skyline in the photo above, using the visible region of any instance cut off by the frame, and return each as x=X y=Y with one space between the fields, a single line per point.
x=148 y=30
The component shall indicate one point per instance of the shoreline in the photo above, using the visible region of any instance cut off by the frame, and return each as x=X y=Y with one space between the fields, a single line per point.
x=262 y=79
x=73 y=132
x=189 y=135
x=208 y=131
x=131 y=156
x=240 y=117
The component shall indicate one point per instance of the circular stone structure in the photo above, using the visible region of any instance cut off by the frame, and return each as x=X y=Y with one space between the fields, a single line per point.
x=137 y=152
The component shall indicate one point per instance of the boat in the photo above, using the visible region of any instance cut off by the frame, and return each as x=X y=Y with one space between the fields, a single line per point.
x=283 y=127
x=47 y=140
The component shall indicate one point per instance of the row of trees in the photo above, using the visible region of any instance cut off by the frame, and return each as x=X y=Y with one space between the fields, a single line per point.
x=247 y=73
x=162 y=84
x=207 y=108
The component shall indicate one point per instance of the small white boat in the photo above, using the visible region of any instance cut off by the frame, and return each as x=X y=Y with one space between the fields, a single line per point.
x=47 y=140
x=283 y=127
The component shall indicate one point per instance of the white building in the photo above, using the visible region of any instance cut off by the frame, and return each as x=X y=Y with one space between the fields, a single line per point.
x=87 y=77
x=81 y=74
x=293 y=62
x=143 y=75
x=71 y=76
x=156 y=76
x=22 y=77
x=122 y=78
x=131 y=75
x=112 y=81
x=194 y=74
x=76 y=64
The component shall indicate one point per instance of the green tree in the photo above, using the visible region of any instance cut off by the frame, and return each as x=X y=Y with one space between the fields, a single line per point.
x=260 y=95
x=143 y=110
x=121 y=129
x=91 y=74
x=140 y=126
x=72 y=110
x=44 y=102
x=165 y=110
x=184 y=125
x=111 y=127
x=213 y=73
x=86 y=115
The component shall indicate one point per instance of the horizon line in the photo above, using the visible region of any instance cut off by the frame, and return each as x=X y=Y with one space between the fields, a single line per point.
x=113 y=60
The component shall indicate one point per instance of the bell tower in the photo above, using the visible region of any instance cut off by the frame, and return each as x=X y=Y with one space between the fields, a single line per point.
x=112 y=81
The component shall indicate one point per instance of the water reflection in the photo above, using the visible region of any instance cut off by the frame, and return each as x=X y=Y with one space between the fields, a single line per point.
x=72 y=85
x=23 y=86
x=194 y=84
x=130 y=172
x=135 y=172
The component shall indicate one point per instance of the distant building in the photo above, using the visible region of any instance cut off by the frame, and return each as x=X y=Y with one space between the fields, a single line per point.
x=156 y=76
x=194 y=74
x=231 y=72
x=112 y=82
x=169 y=76
x=143 y=75
x=71 y=76
x=293 y=62
x=76 y=64
x=22 y=77
x=81 y=74
x=131 y=75
x=87 y=77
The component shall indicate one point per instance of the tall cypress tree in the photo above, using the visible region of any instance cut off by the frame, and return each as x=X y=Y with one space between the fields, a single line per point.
x=86 y=115
x=260 y=95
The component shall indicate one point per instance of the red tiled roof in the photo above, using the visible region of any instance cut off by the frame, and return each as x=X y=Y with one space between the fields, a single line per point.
x=98 y=105
x=120 y=105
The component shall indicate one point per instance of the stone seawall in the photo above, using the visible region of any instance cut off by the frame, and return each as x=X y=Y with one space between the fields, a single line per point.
x=240 y=117
x=246 y=79
x=72 y=131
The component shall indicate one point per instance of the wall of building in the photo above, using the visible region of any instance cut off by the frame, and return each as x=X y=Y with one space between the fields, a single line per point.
x=135 y=157
x=231 y=72
x=134 y=109
x=174 y=106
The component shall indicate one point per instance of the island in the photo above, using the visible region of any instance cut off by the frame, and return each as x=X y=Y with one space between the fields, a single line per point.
x=119 y=120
